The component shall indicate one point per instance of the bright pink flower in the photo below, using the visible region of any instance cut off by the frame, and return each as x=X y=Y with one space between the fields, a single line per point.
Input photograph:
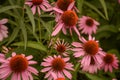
x=110 y=61
x=87 y=25
x=91 y=53
x=57 y=67
x=3 y=29
x=68 y=20
x=63 y=5
x=62 y=47
x=37 y=5
x=18 y=66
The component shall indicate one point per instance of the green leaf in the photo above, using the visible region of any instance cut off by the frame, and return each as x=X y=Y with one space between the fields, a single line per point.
x=94 y=8
x=34 y=34
x=31 y=17
x=94 y=77
x=24 y=31
x=110 y=28
x=32 y=44
x=105 y=8
x=13 y=35
x=80 y=5
x=46 y=26
x=3 y=9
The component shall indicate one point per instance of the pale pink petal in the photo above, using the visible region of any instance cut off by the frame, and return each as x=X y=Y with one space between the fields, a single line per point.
x=66 y=59
x=68 y=74
x=76 y=44
x=76 y=30
x=54 y=75
x=33 y=9
x=32 y=70
x=46 y=69
x=3 y=21
x=29 y=57
x=57 y=10
x=57 y=30
x=13 y=54
x=45 y=64
x=24 y=76
x=30 y=76
x=71 y=5
x=32 y=62
x=78 y=54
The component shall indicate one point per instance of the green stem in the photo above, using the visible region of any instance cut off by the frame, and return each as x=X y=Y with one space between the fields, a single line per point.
x=76 y=71
x=39 y=28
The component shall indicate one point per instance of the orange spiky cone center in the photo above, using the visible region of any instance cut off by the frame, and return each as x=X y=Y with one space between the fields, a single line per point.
x=69 y=18
x=18 y=63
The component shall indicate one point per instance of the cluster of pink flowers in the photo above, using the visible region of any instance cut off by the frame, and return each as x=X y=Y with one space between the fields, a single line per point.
x=59 y=67
x=94 y=58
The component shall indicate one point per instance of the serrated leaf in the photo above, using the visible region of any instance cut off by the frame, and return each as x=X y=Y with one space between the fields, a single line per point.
x=31 y=17
x=32 y=44
x=5 y=8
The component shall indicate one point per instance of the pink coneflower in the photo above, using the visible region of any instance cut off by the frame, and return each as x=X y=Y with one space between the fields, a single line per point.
x=63 y=5
x=3 y=29
x=62 y=47
x=110 y=61
x=18 y=66
x=87 y=25
x=37 y=5
x=91 y=53
x=68 y=21
x=57 y=67
x=92 y=68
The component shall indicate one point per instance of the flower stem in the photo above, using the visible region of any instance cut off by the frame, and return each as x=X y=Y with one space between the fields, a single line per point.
x=39 y=28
